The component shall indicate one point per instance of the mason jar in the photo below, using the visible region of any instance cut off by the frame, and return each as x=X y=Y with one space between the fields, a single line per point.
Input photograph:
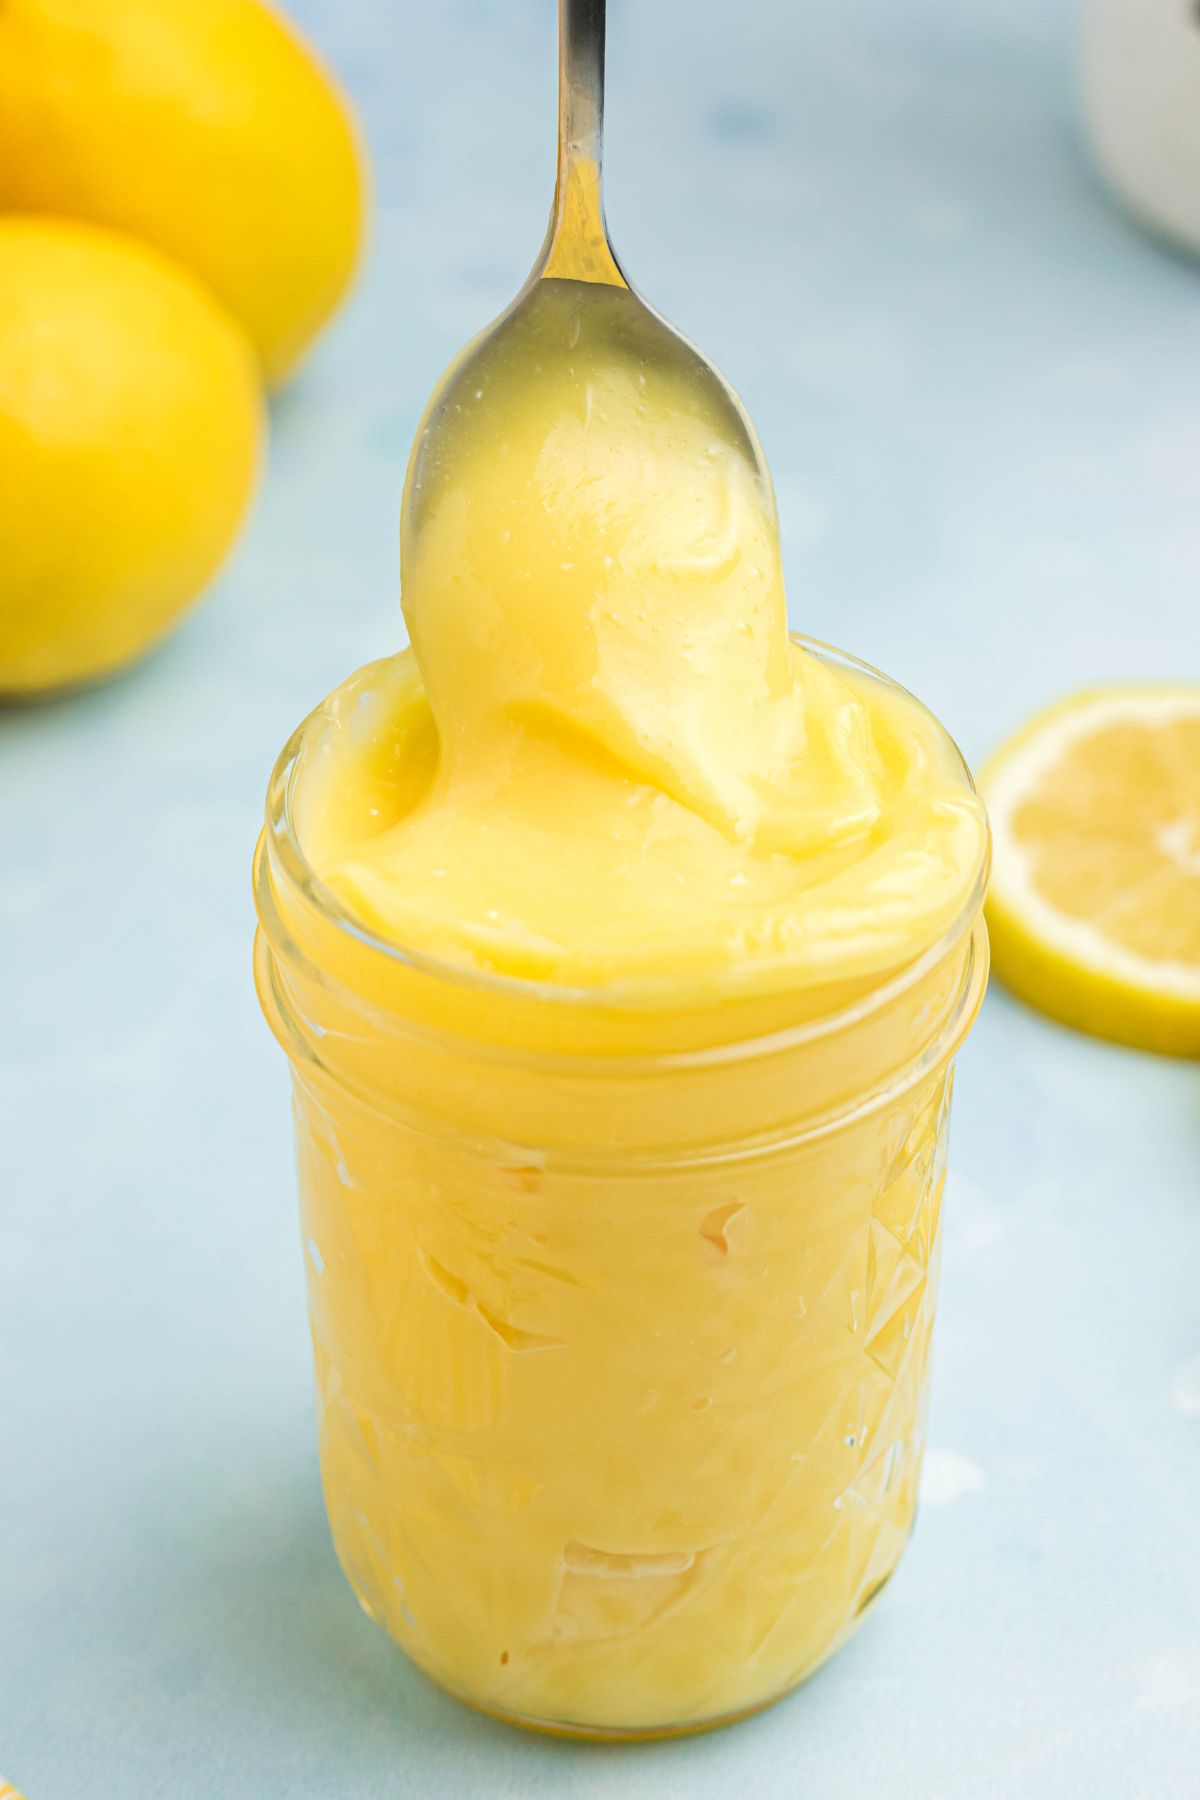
x=621 y=1321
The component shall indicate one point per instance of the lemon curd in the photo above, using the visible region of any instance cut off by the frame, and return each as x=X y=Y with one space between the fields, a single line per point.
x=621 y=945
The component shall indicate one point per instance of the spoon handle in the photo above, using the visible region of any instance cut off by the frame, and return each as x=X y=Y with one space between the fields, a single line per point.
x=577 y=247
x=580 y=81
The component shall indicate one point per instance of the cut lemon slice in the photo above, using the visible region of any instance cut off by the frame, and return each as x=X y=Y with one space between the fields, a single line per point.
x=1094 y=910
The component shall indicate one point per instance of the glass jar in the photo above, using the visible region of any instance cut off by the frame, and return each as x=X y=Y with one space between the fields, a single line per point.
x=621 y=1323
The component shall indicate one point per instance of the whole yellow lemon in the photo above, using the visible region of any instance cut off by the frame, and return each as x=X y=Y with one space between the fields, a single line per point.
x=131 y=427
x=206 y=127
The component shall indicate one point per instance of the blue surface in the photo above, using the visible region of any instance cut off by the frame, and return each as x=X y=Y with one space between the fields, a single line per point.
x=980 y=392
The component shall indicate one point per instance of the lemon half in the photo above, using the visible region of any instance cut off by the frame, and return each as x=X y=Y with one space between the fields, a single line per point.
x=1094 y=910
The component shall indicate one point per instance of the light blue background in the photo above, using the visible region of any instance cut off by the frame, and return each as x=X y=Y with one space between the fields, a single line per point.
x=980 y=392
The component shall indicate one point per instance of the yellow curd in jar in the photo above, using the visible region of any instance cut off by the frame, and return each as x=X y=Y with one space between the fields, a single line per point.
x=621 y=945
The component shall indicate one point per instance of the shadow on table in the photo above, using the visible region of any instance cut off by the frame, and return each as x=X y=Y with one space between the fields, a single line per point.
x=271 y=1628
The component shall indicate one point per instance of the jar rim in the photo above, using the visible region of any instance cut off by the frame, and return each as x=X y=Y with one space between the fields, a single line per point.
x=281 y=843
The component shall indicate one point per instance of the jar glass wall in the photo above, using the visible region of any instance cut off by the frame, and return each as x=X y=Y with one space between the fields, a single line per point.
x=622 y=1345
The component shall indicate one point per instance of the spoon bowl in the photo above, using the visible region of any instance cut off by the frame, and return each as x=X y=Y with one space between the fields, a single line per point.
x=576 y=304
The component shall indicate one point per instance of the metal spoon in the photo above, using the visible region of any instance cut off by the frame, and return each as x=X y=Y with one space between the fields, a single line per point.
x=589 y=530
x=576 y=279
